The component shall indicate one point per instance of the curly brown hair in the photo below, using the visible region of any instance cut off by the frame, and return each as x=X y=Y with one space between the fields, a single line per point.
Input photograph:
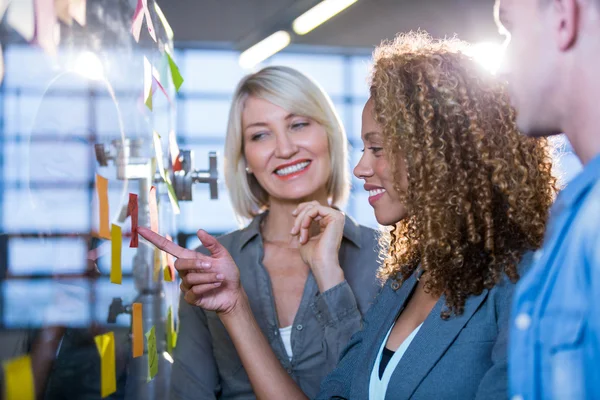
x=479 y=192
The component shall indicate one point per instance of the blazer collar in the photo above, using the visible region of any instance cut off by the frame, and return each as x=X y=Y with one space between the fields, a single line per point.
x=428 y=346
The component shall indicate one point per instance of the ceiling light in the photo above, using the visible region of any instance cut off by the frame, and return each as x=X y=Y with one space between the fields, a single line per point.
x=264 y=49
x=319 y=14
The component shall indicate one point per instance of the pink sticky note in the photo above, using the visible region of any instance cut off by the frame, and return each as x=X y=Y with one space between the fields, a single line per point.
x=153 y=209
x=141 y=13
x=45 y=25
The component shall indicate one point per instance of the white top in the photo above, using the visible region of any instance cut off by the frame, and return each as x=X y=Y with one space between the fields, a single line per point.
x=286 y=336
x=378 y=387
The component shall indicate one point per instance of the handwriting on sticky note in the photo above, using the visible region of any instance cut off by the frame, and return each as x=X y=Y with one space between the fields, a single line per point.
x=132 y=210
x=137 y=330
x=102 y=191
x=106 y=348
x=152 y=354
x=18 y=379
x=153 y=205
x=175 y=74
x=116 y=240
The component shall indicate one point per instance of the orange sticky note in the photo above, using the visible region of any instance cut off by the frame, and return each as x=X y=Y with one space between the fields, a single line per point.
x=18 y=379
x=116 y=241
x=174 y=152
x=102 y=189
x=108 y=376
x=153 y=209
x=137 y=330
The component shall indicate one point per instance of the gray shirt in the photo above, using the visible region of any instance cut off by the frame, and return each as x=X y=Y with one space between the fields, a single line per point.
x=207 y=365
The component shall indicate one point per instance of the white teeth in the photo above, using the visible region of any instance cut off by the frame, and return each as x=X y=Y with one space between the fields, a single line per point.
x=291 y=169
x=375 y=192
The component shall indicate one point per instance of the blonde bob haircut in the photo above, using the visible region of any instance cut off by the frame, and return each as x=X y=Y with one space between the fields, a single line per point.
x=296 y=93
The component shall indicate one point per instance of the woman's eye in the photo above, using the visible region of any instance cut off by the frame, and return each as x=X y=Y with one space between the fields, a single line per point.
x=257 y=136
x=299 y=125
x=375 y=150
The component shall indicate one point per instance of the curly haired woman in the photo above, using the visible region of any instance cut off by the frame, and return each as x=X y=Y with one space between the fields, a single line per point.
x=466 y=197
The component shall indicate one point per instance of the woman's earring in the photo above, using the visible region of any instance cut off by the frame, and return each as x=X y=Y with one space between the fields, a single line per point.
x=248 y=170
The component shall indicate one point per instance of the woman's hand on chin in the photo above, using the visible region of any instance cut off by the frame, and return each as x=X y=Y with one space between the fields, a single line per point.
x=318 y=230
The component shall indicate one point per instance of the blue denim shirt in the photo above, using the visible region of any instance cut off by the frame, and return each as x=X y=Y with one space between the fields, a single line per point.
x=555 y=326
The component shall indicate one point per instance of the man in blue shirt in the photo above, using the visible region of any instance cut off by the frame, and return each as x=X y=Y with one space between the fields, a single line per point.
x=553 y=67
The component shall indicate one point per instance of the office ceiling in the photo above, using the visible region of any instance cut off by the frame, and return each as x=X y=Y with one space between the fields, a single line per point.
x=239 y=23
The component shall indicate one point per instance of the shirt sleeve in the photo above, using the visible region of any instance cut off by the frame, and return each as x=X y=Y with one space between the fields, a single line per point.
x=194 y=373
x=338 y=383
x=337 y=312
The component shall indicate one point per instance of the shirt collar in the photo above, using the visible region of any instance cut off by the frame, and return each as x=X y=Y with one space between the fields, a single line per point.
x=580 y=184
x=351 y=230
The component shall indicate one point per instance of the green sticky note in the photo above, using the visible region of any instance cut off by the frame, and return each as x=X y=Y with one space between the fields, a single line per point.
x=170 y=330
x=175 y=74
x=152 y=354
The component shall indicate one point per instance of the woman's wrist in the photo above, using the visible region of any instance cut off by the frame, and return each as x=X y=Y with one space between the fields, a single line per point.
x=328 y=275
x=240 y=307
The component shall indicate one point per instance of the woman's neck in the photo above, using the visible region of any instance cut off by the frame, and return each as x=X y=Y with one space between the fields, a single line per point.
x=278 y=224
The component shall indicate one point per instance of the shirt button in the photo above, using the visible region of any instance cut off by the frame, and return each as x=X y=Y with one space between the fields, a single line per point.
x=289 y=370
x=517 y=397
x=537 y=255
x=276 y=332
x=299 y=327
x=523 y=321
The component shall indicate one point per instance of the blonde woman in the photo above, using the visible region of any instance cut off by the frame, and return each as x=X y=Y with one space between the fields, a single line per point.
x=285 y=145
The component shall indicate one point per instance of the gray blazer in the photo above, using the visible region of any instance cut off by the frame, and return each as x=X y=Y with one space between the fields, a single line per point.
x=464 y=357
x=207 y=365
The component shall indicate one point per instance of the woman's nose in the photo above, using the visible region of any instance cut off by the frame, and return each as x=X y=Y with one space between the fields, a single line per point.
x=286 y=147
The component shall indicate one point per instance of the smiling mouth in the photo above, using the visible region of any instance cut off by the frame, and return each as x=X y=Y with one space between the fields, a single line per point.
x=375 y=194
x=292 y=169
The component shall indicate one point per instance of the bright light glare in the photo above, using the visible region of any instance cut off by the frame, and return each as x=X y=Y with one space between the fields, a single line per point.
x=168 y=357
x=89 y=65
x=319 y=14
x=264 y=49
x=488 y=54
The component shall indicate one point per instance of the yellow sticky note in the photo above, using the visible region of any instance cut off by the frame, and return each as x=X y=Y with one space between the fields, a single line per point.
x=106 y=348
x=152 y=354
x=137 y=330
x=102 y=189
x=157 y=267
x=18 y=379
x=167 y=277
x=116 y=241
x=163 y=19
